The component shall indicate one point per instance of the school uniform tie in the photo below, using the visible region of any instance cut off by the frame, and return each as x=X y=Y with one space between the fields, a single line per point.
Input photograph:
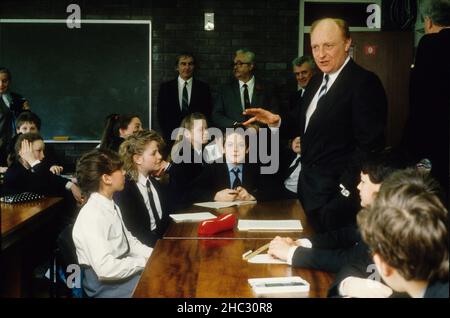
x=246 y=97
x=153 y=205
x=237 y=181
x=185 y=100
x=124 y=234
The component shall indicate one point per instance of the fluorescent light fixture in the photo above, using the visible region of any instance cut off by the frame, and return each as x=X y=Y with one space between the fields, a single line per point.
x=209 y=21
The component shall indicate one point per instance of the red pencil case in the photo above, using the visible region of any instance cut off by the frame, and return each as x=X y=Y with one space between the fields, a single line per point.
x=222 y=223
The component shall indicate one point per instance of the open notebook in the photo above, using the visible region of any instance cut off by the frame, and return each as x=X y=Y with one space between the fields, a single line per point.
x=220 y=205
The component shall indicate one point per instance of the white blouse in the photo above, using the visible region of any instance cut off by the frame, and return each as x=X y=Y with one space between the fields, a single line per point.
x=102 y=241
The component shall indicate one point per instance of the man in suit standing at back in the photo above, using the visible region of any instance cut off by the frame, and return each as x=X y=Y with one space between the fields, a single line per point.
x=427 y=131
x=182 y=96
x=303 y=68
x=242 y=92
x=342 y=118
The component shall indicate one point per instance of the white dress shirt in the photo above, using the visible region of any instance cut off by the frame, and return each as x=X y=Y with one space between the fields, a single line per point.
x=180 y=90
x=313 y=105
x=292 y=180
x=100 y=239
x=250 y=87
x=142 y=186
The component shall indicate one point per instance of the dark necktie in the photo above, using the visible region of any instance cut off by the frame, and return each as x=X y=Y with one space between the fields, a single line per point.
x=237 y=180
x=246 y=97
x=185 y=100
x=124 y=234
x=153 y=205
x=293 y=167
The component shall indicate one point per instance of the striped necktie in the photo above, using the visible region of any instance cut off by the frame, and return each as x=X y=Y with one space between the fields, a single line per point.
x=185 y=100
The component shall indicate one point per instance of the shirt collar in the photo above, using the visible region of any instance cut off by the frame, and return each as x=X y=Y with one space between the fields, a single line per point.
x=181 y=81
x=232 y=166
x=102 y=200
x=251 y=82
x=142 y=180
x=334 y=75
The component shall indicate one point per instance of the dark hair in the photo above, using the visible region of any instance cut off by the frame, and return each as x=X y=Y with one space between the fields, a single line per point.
x=184 y=54
x=298 y=61
x=92 y=165
x=111 y=132
x=407 y=225
x=437 y=10
x=28 y=117
x=17 y=140
x=6 y=71
x=381 y=164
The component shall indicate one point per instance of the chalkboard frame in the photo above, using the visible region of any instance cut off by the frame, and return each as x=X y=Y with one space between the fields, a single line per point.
x=96 y=21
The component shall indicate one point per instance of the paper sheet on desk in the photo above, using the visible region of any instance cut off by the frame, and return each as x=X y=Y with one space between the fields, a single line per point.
x=220 y=205
x=265 y=259
x=192 y=217
x=269 y=225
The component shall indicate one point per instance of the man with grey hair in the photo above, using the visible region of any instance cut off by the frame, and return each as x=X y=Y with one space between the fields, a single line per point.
x=303 y=68
x=427 y=134
x=242 y=92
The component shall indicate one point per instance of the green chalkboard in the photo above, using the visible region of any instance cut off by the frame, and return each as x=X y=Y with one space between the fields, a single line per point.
x=74 y=78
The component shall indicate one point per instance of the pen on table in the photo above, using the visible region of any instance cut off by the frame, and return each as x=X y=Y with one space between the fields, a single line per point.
x=258 y=251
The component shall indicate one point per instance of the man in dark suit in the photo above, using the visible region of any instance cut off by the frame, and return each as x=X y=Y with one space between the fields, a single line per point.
x=11 y=105
x=427 y=134
x=342 y=117
x=182 y=96
x=243 y=92
x=303 y=68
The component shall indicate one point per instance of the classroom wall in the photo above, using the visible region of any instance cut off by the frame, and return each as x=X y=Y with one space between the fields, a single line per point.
x=269 y=28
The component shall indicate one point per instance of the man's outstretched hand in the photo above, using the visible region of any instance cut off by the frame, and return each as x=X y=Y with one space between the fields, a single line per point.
x=263 y=116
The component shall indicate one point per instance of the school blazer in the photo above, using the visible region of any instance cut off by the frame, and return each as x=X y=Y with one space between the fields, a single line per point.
x=215 y=177
x=135 y=214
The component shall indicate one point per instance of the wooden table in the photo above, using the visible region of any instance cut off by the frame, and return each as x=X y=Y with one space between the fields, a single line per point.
x=271 y=210
x=186 y=265
x=26 y=230
x=21 y=217
x=214 y=268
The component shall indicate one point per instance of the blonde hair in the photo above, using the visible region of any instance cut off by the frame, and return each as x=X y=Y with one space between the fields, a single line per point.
x=135 y=144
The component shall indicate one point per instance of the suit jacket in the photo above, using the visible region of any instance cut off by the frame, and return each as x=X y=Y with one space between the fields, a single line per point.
x=136 y=215
x=331 y=251
x=437 y=289
x=18 y=179
x=168 y=105
x=349 y=122
x=183 y=175
x=228 y=105
x=8 y=116
x=215 y=177
x=427 y=129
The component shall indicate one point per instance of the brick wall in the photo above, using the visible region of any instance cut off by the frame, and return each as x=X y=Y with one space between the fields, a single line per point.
x=267 y=27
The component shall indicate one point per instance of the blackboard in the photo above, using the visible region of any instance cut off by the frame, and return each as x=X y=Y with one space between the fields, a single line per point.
x=73 y=78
